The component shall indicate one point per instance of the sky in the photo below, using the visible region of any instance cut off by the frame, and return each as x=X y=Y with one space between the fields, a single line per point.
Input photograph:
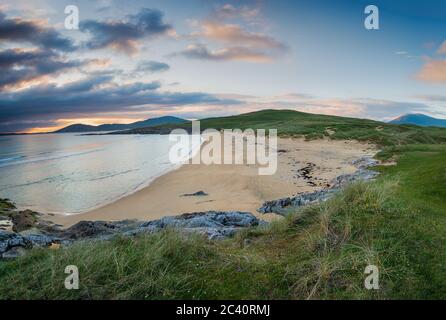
x=138 y=59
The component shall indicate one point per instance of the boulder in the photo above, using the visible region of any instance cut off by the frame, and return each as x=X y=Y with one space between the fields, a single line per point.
x=24 y=220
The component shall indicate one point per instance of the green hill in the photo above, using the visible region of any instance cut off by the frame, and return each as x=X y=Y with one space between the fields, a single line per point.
x=314 y=126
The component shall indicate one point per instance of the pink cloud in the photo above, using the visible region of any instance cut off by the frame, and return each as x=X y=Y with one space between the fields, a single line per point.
x=442 y=49
x=234 y=34
x=433 y=71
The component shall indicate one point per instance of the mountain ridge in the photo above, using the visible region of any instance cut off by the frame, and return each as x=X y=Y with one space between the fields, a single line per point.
x=419 y=119
x=79 y=127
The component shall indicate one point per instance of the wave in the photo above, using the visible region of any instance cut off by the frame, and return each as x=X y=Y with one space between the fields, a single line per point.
x=11 y=158
x=4 y=162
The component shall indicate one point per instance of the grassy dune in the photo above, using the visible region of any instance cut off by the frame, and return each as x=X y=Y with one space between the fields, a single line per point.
x=397 y=223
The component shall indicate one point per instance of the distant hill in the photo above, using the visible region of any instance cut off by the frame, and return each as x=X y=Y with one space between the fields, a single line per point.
x=420 y=120
x=312 y=126
x=118 y=126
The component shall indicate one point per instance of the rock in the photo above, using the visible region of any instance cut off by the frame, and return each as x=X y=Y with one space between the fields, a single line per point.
x=23 y=220
x=196 y=194
x=361 y=174
x=13 y=253
x=281 y=206
x=11 y=219
x=12 y=240
x=365 y=162
x=213 y=224
x=91 y=229
x=6 y=205
x=6 y=224
x=207 y=219
x=40 y=240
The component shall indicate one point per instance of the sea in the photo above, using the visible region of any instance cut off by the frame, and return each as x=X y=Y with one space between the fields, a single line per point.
x=72 y=173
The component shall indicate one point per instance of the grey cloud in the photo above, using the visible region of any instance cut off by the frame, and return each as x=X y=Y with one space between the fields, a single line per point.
x=123 y=35
x=20 y=30
x=18 y=65
x=92 y=95
x=151 y=66
x=201 y=52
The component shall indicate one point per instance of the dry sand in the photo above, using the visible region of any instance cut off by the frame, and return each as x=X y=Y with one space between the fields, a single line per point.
x=233 y=187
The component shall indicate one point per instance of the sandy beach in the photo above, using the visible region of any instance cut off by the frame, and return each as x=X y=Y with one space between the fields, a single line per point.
x=234 y=187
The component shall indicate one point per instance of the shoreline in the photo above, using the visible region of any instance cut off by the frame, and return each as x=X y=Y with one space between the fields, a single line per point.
x=232 y=187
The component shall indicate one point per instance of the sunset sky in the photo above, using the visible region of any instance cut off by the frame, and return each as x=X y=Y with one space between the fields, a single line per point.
x=132 y=60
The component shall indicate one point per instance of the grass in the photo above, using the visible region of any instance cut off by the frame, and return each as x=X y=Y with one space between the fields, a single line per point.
x=397 y=223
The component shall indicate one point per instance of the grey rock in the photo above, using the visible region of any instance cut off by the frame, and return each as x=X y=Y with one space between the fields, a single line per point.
x=40 y=240
x=13 y=253
x=212 y=224
x=365 y=162
x=12 y=240
x=94 y=229
x=209 y=219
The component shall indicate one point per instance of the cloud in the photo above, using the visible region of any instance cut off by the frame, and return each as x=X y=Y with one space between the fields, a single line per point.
x=388 y=109
x=229 y=11
x=34 y=32
x=97 y=94
x=124 y=35
x=18 y=66
x=237 y=43
x=442 y=49
x=201 y=52
x=151 y=66
x=235 y=35
x=441 y=98
x=433 y=71
x=377 y=109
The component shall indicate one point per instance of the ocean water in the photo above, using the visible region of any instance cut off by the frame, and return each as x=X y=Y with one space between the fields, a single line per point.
x=72 y=173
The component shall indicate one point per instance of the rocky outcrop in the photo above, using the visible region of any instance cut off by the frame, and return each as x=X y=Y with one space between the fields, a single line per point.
x=282 y=206
x=12 y=244
x=212 y=224
x=13 y=219
x=96 y=229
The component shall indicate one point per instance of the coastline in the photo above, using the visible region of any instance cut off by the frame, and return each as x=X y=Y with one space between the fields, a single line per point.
x=233 y=187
